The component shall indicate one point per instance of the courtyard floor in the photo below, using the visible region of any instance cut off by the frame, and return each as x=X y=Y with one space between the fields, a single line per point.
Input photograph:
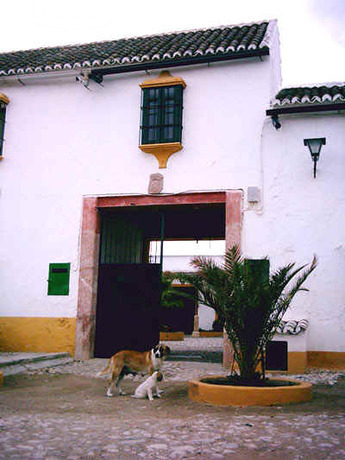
x=62 y=412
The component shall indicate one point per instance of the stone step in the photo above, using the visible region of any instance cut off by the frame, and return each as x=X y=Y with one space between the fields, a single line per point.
x=196 y=355
x=15 y=363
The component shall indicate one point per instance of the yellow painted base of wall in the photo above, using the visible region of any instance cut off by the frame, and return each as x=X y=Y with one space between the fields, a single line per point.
x=300 y=361
x=210 y=334
x=20 y=334
x=297 y=364
x=37 y=334
x=231 y=395
x=326 y=359
x=171 y=336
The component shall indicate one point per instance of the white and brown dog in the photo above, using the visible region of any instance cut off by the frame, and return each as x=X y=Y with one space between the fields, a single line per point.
x=147 y=388
x=133 y=362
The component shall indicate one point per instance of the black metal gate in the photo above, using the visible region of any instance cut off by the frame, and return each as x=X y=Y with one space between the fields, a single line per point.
x=127 y=308
x=129 y=289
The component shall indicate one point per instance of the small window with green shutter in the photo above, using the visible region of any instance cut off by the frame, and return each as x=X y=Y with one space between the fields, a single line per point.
x=58 y=280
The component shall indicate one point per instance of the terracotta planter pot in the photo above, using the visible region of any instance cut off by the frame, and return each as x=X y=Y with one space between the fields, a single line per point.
x=232 y=395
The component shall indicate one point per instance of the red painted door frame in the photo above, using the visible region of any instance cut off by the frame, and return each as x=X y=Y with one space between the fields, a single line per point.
x=89 y=249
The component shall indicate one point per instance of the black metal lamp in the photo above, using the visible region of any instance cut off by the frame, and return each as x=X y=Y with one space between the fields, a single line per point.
x=315 y=149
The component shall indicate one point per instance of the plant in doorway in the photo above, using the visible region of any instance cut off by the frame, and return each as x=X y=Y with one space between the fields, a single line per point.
x=251 y=304
x=170 y=301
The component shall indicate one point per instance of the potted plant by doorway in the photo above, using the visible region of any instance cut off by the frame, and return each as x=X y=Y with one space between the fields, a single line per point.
x=251 y=303
x=170 y=301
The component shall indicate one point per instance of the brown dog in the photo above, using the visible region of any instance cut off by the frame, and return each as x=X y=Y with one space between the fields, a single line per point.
x=133 y=362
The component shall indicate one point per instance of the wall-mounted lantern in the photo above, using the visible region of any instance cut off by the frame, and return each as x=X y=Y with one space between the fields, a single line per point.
x=315 y=149
x=275 y=122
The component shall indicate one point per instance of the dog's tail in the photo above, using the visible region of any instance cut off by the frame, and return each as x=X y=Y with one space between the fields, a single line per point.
x=104 y=371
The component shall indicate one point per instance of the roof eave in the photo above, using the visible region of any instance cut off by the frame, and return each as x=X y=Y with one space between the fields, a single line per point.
x=179 y=62
x=99 y=72
x=306 y=109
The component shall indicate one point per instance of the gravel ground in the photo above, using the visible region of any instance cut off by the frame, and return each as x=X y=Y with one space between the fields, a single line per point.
x=183 y=371
x=62 y=412
x=199 y=343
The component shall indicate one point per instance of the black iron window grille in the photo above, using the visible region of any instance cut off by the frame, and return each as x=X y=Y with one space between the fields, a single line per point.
x=2 y=125
x=161 y=114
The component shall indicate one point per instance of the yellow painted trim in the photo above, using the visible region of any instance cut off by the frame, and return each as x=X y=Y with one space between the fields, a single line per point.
x=37 y=334
x=4 y=98
x=161 y=151
x=210 y=334
x=171 y=336
x=182 y=285
x=164 y=79
x=326 y=359
x=297 y=363
x=226 y=395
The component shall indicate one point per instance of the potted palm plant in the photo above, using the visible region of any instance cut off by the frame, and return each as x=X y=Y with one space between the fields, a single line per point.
x=251 y=304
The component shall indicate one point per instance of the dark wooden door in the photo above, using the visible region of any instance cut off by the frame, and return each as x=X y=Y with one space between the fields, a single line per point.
x=127 y=308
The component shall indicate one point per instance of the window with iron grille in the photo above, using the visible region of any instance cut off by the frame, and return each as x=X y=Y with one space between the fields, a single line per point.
x=161 y=114
x=2 y=125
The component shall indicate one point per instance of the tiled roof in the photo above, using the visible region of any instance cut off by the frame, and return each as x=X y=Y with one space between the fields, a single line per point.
x=222 y=42
x=292 y=327
x=327 y=97
x=323 y=94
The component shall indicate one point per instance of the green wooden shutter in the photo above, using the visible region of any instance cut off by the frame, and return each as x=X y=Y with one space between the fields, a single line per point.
x=178 y=113
x=259 y=267
x=58 y=280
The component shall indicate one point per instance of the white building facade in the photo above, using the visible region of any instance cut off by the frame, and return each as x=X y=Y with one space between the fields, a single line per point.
x=71 y=152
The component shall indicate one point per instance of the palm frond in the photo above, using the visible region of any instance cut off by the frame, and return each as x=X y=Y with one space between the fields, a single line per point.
x=250 y=305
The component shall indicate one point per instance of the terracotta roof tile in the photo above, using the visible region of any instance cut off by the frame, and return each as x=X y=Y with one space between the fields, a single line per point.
x=177 y=46
x=307 y=95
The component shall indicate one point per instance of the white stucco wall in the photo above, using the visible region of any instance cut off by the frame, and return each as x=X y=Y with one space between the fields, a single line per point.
x=297 y=342
x=301 y=216
x=182 y=263
x=64 y=141
x=206 y=317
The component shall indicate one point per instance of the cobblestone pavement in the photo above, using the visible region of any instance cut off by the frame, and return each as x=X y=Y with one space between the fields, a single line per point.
x=62 y=413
